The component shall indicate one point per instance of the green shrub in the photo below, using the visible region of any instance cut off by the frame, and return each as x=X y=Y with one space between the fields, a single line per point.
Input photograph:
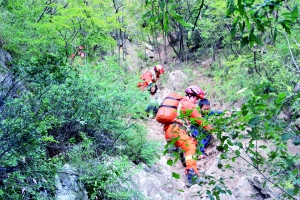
x=91 y=103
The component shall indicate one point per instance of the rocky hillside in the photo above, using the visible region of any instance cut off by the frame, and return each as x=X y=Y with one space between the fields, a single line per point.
x=156 y=181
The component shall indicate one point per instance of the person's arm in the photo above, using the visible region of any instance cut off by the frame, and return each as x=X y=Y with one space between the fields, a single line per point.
x=215 y=112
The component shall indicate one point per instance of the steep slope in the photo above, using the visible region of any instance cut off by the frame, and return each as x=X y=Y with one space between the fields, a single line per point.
x=156 y=182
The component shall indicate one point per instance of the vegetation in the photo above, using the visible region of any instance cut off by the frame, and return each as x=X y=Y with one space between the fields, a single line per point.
x=67 y=95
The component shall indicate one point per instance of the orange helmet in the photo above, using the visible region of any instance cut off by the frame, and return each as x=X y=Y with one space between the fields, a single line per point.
x=159 y=69
x=195 y=91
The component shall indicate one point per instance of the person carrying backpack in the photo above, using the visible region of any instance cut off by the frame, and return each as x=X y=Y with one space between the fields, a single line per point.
x=150 y=77
x=149 y=81
x=176 y=131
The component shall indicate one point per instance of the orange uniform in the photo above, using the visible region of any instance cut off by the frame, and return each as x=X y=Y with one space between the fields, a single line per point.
x=187 y=143
x=148 y=77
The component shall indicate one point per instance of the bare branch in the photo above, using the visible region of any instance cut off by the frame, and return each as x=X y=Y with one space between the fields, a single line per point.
x=292 y=56
x=201 y=6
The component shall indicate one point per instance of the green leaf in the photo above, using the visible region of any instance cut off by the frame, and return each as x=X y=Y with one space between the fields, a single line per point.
x=211 y=197
x=233 y=31
x=183 y=23
x=241 y=7
x=162 y=4
x=247 y=22
x=294 y=13
x=286 y=136
x=282 y=95
x=242 y=27
x=175 y=175
x=245 y=112
x=223 y=156
x=170 y=162
x=258 y=40
x=286 y=27
x=166 y=23
x=237 y=152
x=220 y=148
x=275 y=35
x=229 y=142
x=229 y=192
x=254 y=120
x=262 y=146
x=147 y=14
x=244 y=42
x=251 y=43
x=273 y=155
x=254 y=38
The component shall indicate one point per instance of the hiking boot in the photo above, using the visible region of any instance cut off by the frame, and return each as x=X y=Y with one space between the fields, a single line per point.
x=172 y=149
x=193 y=178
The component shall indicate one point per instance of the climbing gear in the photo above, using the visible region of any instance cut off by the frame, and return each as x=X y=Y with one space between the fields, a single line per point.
x=167 y=112
x=159 y=69
x=195 y=91
x=193 y=178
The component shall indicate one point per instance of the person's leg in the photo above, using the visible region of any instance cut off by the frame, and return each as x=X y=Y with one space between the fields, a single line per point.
x=173 y=133
x=188 y=145
x=204 y=143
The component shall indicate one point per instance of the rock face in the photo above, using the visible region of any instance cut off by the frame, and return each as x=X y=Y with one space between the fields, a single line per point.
x=5 y=58
x=68 y=186
x=252 y=188
x=6 y=78
x=176 y=81
x=156 y=182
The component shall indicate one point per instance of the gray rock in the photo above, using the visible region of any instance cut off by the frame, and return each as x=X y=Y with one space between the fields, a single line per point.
x=68 y=186
x=156 y=182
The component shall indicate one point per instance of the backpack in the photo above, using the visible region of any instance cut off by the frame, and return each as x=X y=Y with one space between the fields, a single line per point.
x=167 y=112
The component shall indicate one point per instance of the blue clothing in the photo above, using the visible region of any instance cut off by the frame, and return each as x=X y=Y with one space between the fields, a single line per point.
x=203 y=134
x=215 y=112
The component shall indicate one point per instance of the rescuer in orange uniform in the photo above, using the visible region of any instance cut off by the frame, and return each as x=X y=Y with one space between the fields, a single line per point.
x=177 y=131
x=150 y=77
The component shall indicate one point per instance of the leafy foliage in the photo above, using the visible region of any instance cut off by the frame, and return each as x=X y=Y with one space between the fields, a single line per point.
x=53 y=114
x=252 y=17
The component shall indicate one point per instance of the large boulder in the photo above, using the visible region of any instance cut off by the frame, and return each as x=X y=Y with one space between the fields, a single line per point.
x=156 y=182
x=176 y=82
x=68 y=186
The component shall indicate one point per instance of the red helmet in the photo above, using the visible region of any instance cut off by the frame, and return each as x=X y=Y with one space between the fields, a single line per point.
x=159 y=69
x=195 y=91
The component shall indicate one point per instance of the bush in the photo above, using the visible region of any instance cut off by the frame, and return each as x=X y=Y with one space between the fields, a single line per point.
x=89 y=104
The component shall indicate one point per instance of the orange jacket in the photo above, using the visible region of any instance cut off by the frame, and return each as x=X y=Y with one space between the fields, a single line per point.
x=148 y=77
